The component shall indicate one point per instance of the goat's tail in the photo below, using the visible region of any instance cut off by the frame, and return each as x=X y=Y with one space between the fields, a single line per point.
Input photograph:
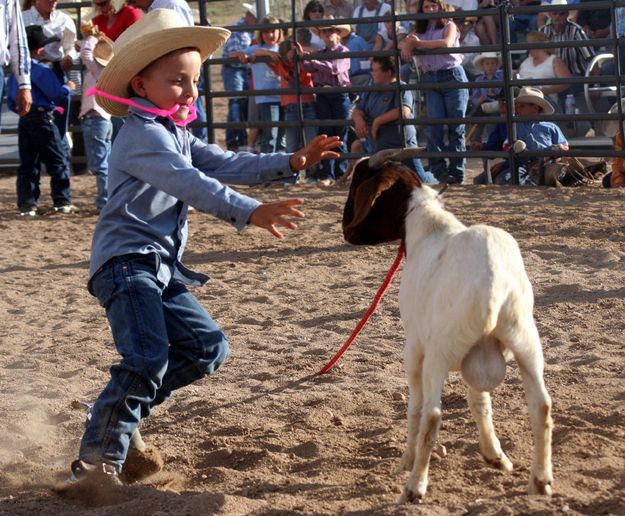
x=484 y=366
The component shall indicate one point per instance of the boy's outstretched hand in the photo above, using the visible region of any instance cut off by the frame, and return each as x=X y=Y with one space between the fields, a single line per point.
x=270 y=215
x=317 y=149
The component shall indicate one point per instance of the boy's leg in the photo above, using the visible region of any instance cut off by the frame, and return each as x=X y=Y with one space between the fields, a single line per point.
x=128 y=289
x=197 y=346
x=50 y=148
x=28 y=173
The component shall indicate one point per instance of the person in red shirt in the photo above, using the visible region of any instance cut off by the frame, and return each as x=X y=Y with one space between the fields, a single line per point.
x=114 y=17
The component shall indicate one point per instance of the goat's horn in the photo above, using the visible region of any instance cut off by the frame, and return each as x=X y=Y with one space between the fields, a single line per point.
x=378 y=159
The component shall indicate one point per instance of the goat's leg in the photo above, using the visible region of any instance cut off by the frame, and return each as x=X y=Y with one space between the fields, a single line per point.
x=414 y=364
x=539 y=407
x=429 y=424
x=481 y=408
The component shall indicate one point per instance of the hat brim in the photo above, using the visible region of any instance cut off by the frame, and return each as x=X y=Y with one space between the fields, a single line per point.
x=132 y=58
x=477 y=62
x=544 y=104
x=344 y=30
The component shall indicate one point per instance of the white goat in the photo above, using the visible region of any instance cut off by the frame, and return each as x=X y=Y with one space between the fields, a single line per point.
x=466 y=304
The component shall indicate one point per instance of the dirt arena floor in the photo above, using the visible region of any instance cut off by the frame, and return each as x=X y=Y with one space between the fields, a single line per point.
x=266 y=435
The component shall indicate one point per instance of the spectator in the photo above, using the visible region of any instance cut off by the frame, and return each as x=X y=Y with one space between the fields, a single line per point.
x=377 y=113
x=616 y=177
x=236 y=77
x=487 y=27
x=484 y=99
x=39 y=140
x=595 y=22
x=61 y=52
x=113 y=17
x=468 y=38
x=537 y=135
x=338 y=8
x=264 y=78
x=14 y=48
x=390 y=39
x=559 y=28
x=284 y=65
x=441 y=32
x=97 y=129
x=314 y=10
x=521 y=24
x=368 y=9
x=332 y=106
x=543 y=17
x=542 y=63
x=359 y=69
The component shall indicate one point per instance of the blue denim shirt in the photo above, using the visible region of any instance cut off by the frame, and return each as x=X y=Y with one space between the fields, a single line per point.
x=156 y=170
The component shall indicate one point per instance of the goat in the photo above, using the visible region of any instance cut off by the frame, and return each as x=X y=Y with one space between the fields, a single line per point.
x=465 y=303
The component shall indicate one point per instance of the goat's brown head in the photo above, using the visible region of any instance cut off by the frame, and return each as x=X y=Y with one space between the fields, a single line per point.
x=378 y=198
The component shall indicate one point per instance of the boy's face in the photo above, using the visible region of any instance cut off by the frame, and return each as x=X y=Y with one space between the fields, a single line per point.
x=171 y=80
x=490 y=66
x=380 y=76
x=329 y=36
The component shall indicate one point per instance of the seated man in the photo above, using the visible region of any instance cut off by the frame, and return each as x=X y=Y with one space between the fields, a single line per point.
x=376 y=114
x=530 y=101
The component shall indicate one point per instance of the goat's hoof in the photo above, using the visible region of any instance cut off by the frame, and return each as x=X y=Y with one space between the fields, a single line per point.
x=501 y=463
x=410 y=496
x=540 y=487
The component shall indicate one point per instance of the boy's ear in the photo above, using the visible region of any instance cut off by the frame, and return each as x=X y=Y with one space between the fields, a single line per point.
x=136 y=85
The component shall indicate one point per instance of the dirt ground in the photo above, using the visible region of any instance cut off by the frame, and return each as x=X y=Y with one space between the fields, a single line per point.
x=266 y=435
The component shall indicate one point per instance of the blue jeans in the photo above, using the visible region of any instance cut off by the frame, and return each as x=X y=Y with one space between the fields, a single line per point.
x=293 y=134
x=39 y=141
x=446 y=103
x=236 y=79
x=268 y=112
x=97 y=133
x=166 y=340
x=333 y=106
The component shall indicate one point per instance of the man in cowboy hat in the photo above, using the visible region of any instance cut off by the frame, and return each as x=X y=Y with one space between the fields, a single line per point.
x=156 y=170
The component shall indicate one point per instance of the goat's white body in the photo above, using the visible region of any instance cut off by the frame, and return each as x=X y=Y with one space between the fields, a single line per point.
x=466 y=303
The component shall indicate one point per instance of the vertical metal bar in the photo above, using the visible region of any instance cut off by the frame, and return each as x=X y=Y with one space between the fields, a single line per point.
x=504 y=6
x=208 y=99
x=617 y=66
x=298 y=93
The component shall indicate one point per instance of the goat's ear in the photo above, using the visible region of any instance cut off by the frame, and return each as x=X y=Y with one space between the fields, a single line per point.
x=359 y=205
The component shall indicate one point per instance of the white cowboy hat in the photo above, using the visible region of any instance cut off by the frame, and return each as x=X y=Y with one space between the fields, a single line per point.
x=251 y=8
x=531 y=95
x=157 y=33
x=486 y=55
x=344 y=29
x=103 y=50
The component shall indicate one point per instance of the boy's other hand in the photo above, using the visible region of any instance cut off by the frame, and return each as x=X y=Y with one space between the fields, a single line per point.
x=317 y=149
x=270 y=215
x=71 y=85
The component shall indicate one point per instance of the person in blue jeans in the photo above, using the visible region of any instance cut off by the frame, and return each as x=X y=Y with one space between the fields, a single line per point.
x=39 y=140
x=97 y=128
x=437 y=33
x=157 y=168
x=332 y=72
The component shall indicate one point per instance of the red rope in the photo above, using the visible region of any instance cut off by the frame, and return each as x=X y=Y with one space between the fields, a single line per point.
x=374 y=305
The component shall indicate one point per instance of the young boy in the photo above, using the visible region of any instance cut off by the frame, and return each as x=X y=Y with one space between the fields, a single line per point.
x=39 y=139
x=156 y=170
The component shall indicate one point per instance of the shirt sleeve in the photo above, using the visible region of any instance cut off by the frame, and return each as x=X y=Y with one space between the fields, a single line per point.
x=18 y=46
x=86 y=56
x=69 y=38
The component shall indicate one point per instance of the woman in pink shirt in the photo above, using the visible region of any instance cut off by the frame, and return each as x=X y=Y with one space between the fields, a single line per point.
x=114 y=16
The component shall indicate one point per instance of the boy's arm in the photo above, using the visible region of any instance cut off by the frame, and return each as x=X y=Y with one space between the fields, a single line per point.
x=86 y=56
x=48 y=83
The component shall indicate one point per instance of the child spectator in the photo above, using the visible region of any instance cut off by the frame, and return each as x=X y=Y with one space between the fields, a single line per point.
x=536 y=135
x=157 y=168
x=97 y=129
x=616 y=178
x=264 y=78
x=389 y=39
x=39 y=139
x=332 y=106
x=483 y=99
x=284 y=65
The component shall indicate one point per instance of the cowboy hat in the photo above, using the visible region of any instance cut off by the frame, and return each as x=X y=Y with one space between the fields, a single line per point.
x=531 y=95
x=156 y=34
x=344 y=29
x=36 y=37
x=251 y=8
x=486 y=55
x=103 y=50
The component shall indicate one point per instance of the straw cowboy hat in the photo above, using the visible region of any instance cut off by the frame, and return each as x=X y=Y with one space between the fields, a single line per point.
x=251 y=8
x=531 y=95
x=344 y=29
x=103 y=50
x=157 y=33
x=486 y=55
